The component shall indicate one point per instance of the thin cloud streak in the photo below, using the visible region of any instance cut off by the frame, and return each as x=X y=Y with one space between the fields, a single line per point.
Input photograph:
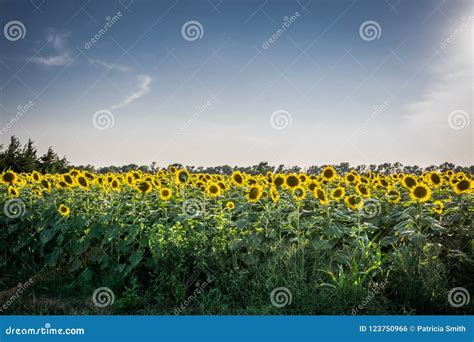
x=142 y=89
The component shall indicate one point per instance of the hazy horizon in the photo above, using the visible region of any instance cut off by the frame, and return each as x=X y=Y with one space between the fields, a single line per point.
x=298 y=83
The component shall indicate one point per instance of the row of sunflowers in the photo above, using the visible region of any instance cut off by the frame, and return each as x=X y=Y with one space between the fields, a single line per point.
x=352 y=188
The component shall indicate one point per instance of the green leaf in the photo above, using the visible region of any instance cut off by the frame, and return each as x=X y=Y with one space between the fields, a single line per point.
x=418 y=239
x=74 y=265
x=136 y=257
x=80 y=246
x=46 y=235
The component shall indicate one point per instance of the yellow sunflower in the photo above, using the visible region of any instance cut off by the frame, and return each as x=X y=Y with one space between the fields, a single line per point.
x=230 y=205
x=9 y=177
x=278 y=180
x=338 y=193
x=328 y=173
x=321 y=195
x=213 y=190
x=354 y=202
x=420 y=193
x=144 y=187
x=68 y=179
x=254 y=193
x=115 y=184
x=393 y=196
x=13 y=192
x=274 y=194
x=82 y=181
x=463 y=186
x=182 y=176
x=351 y=177
x=237 y=178
x=363 y=190
x=438 y=207
x=434 y=179
x=292 y=181
x=36 y=176
x=64 y=210
x=165 y=194
x=299 y=193
x=409 y=181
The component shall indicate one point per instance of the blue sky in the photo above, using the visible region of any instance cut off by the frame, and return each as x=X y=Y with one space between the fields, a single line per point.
x=322 y=90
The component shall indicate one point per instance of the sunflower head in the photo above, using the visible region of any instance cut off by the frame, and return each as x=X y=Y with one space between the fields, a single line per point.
x=354 y=202
x=299 y=193
x=409 y=181
x=363 y=190
x=338 y=193
x=254 y=193
x=312 y=185
x=82 y=182
x=46 y=184
x=9 y=177
x=292 y=181
x=115 y=184
x=13 y=192
x=68 y=179
x=420 y=193
x=434 y=179
x=36 y=176
x=64 y=210
x=393 y=196
x=165 y=194
x=144 y=187
x=352 y=177
x=321 y=195
x=230 y=205
x=274 y=195
x=438 y=207
x=328 y=173
x=237 y=178
x=213 y=189
x=278 y=180
x=464 y=186
x=182 y=176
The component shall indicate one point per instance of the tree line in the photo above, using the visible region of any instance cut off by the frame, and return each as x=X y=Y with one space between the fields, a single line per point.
x=24 y=158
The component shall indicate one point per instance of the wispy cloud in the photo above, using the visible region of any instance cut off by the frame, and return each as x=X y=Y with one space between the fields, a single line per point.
x=451 y=89
x=140 y=90
x=61 y=55
x=52 y=60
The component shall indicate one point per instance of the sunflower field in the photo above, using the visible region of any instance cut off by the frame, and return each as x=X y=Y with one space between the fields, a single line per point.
x=174 y=242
